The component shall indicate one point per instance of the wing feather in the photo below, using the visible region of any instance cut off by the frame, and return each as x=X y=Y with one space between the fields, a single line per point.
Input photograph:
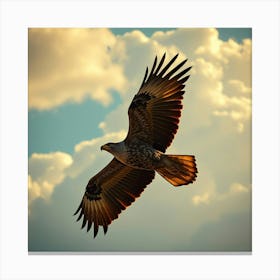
x=109 y=192
x=95 y=229
x=163 y=71
x=154 y=66
x=155 y=110
x=105 y=228
x=159 y=65
x=175 y=69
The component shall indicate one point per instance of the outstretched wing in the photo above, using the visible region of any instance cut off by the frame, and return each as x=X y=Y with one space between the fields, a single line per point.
x=155 y=110
x=109 y=192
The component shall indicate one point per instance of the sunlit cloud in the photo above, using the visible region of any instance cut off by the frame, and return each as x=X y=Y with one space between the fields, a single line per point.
x=45 y=172
x=238 y=188
x=199 y=199
x=212 y=196
x=239 y=86
x=68 y=65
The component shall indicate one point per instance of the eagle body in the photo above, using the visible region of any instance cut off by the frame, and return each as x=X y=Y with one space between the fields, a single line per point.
x=136 y=154
x=154 y=115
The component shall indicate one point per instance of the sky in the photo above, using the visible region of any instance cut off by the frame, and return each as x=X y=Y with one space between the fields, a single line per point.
x=81 y=82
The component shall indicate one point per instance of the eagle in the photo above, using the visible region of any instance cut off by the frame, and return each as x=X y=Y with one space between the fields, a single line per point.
x=154 y=115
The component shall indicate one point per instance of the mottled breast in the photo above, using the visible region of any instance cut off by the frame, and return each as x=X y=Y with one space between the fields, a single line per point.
x=143 y=156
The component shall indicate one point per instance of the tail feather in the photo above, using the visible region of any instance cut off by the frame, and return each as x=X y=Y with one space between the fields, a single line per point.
x=178 y=169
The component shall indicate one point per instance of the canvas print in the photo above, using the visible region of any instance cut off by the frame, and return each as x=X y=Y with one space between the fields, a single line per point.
x=139 y=140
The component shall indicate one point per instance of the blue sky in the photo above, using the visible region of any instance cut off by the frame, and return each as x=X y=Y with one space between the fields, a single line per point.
x=52 y=130
x=78 y=99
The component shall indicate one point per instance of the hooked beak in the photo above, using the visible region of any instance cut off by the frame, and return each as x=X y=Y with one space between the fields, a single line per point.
x=104 y=147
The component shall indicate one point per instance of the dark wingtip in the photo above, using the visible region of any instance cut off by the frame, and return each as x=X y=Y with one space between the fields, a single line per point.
x=160 y=64
x=89 y=226
x=77 y=211
x=105 y=229
x=175 y=69
x=80 y=216
x=95 y=230
x=163 y=71
x=179 y=76
x=153 y=67
x=183 y=80
x=145 y=77
x=84 y=222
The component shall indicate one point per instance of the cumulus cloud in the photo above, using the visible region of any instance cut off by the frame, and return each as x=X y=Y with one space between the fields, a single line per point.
x=45 y=172
x=239 y=188
x=239 y=87
x=213 y=196
x=220 y=78
x=67 y=65
x=198 y=199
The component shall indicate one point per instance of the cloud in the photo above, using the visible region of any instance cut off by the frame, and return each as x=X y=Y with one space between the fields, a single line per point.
x=67 y=65
x=45 y=172
x=215 y=127
x=198 y=199
x=238 y=188
x=215 y=197
x=239 y=87
x=220 y=78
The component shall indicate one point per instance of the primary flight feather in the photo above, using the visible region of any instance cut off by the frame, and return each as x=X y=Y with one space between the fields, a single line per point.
x=154 y=115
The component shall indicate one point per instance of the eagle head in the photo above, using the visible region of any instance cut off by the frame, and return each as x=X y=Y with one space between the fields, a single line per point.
x=114 y=148
x=107 y=147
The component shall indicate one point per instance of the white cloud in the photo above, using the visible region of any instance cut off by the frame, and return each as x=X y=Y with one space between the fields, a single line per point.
x=208 y=69
x=198 y=199
x=45 y=172
x=213 y=196
x=67 y=65
x=220 y=82
x=238 y=188
x=239 y=87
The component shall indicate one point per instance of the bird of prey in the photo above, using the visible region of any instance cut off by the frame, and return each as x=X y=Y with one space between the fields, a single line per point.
x=153 y=122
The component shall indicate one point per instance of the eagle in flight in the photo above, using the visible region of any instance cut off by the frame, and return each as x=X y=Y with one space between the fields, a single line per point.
x=153 y=122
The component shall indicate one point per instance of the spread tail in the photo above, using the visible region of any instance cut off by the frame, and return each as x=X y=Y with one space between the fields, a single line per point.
x=178 y=169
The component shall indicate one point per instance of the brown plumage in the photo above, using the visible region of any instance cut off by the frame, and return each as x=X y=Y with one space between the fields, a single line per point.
x=154 y=115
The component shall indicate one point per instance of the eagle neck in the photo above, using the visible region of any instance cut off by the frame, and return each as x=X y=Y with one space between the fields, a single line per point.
x=120 y=151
